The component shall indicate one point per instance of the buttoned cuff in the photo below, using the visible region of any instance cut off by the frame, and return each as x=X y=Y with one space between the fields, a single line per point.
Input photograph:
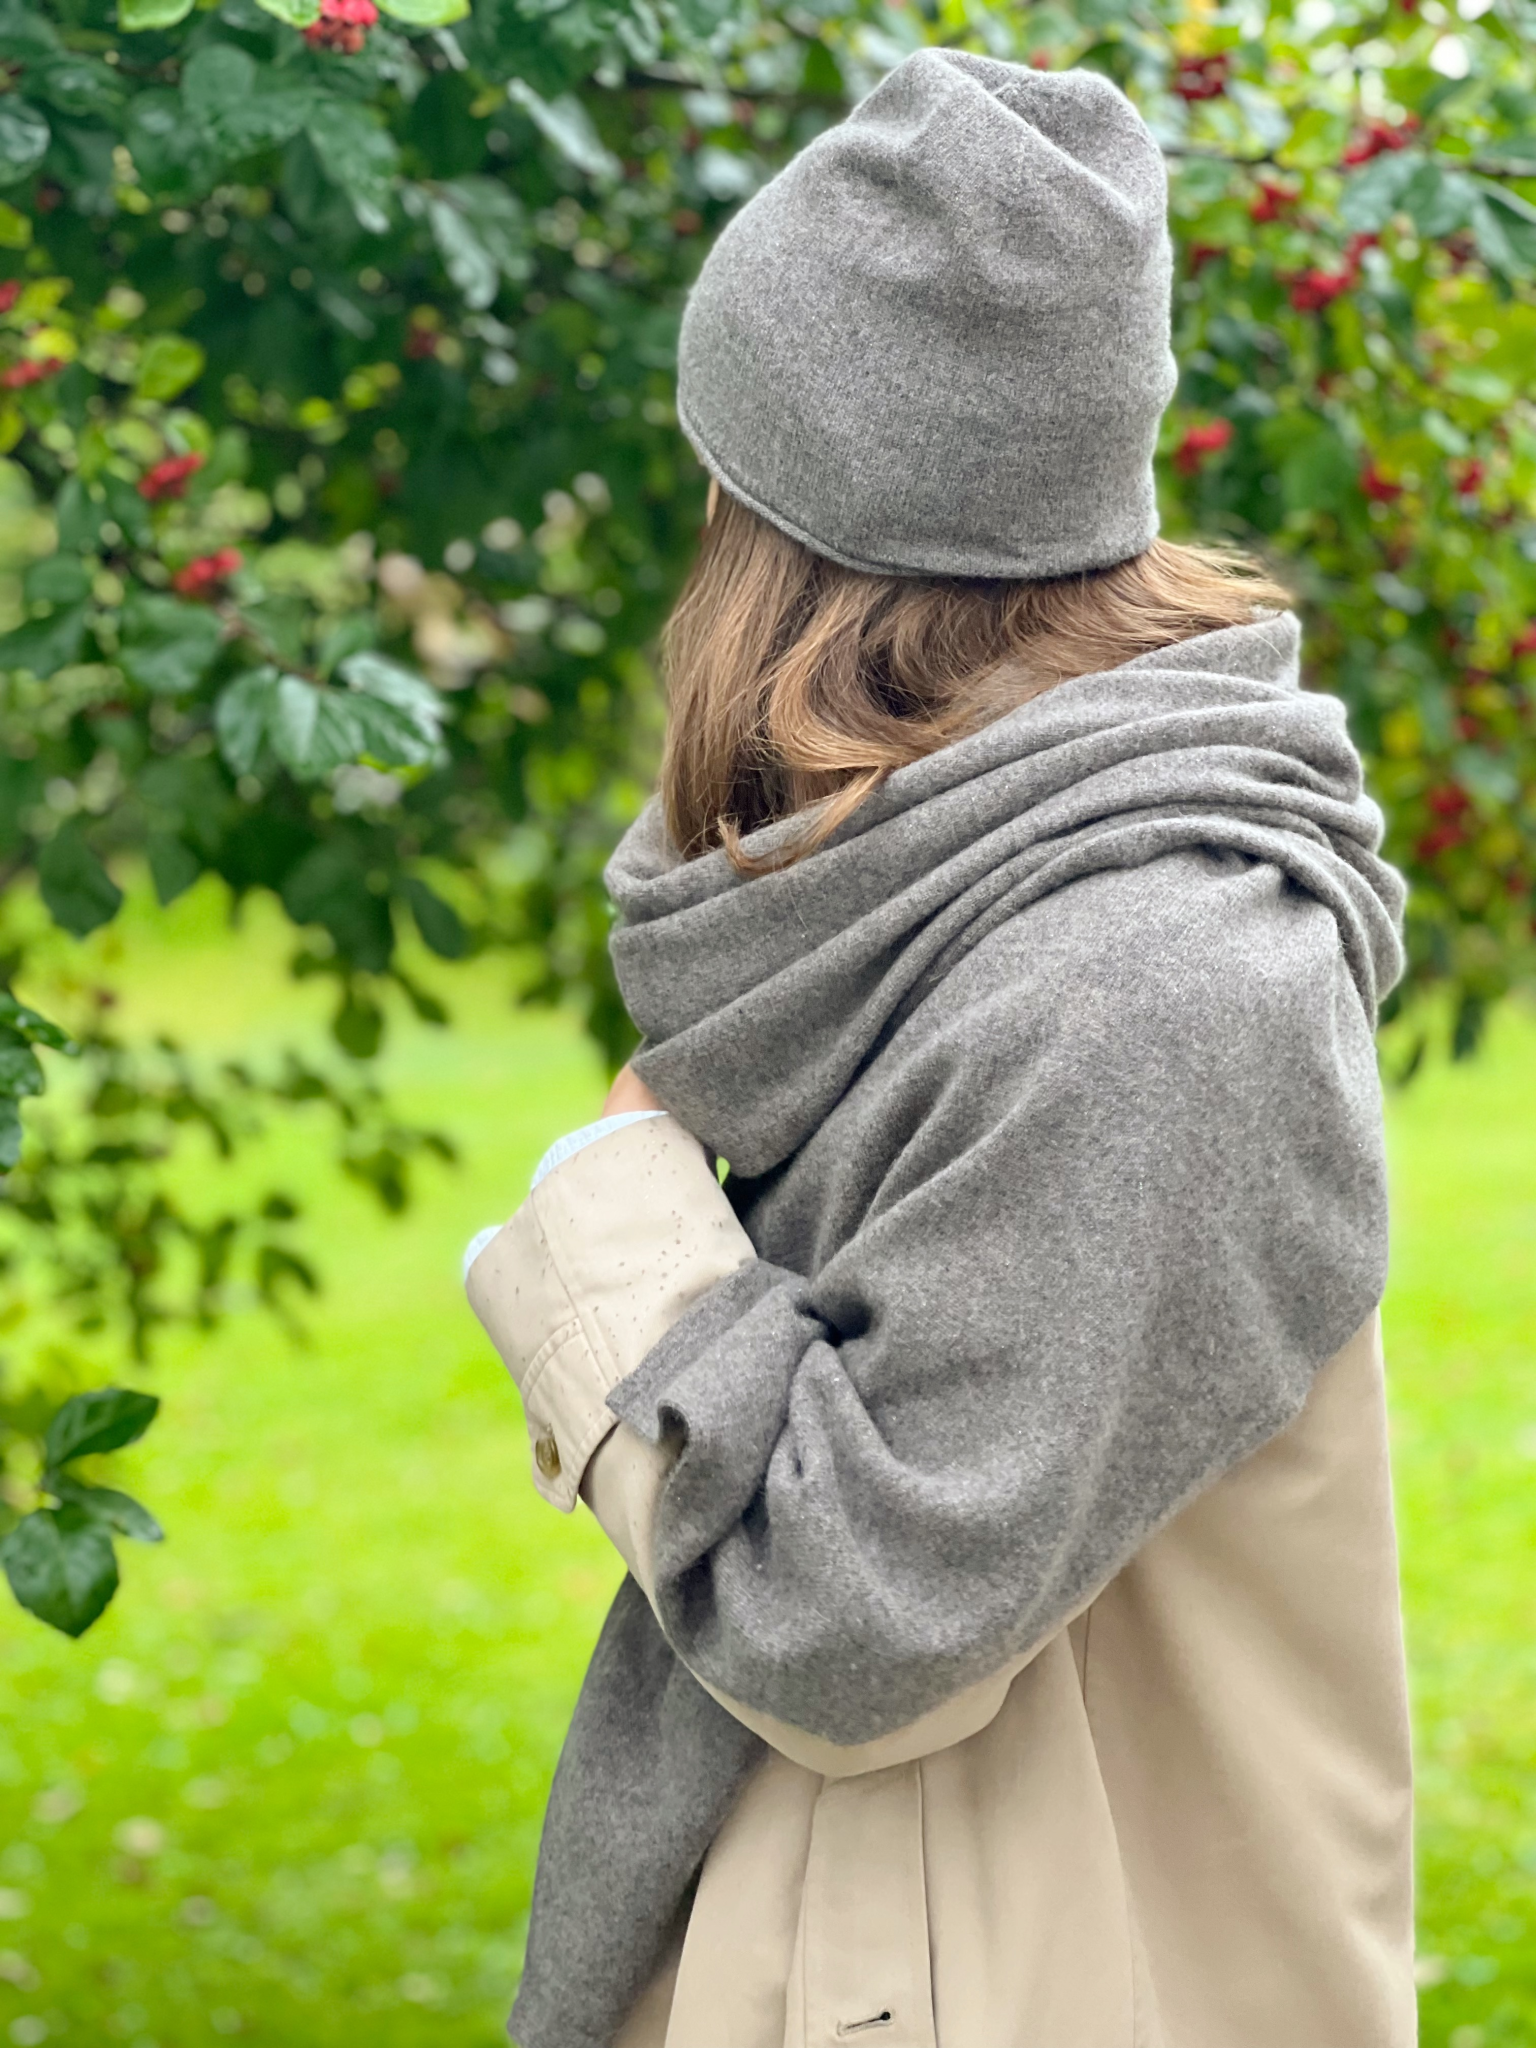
x=605 y=1255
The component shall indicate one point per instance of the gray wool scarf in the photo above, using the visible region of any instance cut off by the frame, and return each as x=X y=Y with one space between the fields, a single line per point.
x=1049 y=1092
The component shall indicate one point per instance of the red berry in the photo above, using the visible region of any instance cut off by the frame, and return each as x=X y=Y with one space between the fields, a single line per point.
x=1437 y=840
x=343 y=26
x=1315 y=289
x=1202 y=78
x=1448 y=800
x=1273 y=200
x=21 y=374
x=1378 y=487
x=10 y=292
x=1199 y=443
x=169 y=479
x=200 y=578
x=1377 y=137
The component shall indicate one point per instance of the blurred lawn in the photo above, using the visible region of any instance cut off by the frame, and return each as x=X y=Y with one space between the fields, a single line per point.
x=288 y=1790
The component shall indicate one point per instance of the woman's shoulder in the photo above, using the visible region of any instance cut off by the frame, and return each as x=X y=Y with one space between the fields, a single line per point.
x=1201 y=956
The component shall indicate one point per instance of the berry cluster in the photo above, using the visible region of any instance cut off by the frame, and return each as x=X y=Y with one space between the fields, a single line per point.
x=343 y=26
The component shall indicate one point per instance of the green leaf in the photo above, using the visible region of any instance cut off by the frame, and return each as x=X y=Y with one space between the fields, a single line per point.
x=297 y=13
x=425 y=13
x=1447 y=436
x=1315 y=466
x=376 y=676
x=330 y=887
x=61 y=1567
x=128 y=510
x=437 y=921
x=45 y=645
x=390 y=737
x=172 y=154
x=57 y=579
x=274 y=1264
x=1438 y=201
x=26 y=36
x=79 y=85
x=241 y=716
x=21 y=1072
x=702 y=17
x=167 y=646
x=350 y=635
x=1316 y=140
x=313 y=731
x=566 y=123
x=111 y=1509
x=292 y=722
x=35 y=1029
x=77 y=889
x=167 y=366
x=1372 y=194
x=393 y=719
x=136 y=15
x=76 y=517
x=422 y=1001
x=24 y=138
x=103 y=1419
x=357 y=153
x=468 y=262
x=173 y=866
x=1470 y=380
x=481 y=232
x=240 y=105
x=11 y=1134
x=358 y=1026
x=1504 y=228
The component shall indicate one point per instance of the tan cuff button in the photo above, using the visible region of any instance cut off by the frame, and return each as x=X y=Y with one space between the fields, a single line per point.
x=546 y=1455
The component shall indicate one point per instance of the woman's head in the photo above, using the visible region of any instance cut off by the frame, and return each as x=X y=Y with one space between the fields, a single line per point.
x=925 y=367
x=937 y=343
x=793 y=681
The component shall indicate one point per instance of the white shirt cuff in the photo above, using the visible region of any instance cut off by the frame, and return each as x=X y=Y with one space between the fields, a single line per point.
x=561 y=1150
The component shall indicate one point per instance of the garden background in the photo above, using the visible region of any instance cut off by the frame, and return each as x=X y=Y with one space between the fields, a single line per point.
x=341 y=498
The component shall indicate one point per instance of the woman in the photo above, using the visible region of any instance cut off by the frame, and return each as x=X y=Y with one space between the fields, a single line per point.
x=1010 y=1654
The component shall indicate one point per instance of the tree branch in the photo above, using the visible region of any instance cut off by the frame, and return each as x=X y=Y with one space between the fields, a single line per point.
x=1483 y=167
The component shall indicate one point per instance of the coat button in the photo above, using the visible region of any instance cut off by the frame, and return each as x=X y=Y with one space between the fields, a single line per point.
x=546 y=1455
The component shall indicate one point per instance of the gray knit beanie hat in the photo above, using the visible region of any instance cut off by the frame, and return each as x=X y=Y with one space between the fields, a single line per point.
x=936 y=344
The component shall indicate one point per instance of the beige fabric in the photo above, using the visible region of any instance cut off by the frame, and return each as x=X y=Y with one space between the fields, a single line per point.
x=1184 y=1822
x=571 y=1325
x=1199 y=1838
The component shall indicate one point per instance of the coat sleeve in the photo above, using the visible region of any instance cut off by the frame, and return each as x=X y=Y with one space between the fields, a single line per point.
x=1104 y=1266
x=574 y=1292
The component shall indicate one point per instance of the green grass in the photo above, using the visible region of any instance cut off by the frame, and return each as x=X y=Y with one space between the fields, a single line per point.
x=289 y=1789
x=1461 y=1336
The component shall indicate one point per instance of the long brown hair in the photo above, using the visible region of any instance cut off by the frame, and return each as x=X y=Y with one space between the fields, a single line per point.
x=794 y=683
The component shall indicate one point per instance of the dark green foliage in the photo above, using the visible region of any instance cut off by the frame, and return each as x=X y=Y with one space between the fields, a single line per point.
x=59 y=1560
x=96 y=1221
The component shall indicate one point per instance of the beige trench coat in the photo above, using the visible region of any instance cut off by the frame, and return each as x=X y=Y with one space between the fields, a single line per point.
x=1184 y=1821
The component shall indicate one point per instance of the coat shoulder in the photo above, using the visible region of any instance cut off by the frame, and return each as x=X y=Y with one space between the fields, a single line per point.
x=1187 y=943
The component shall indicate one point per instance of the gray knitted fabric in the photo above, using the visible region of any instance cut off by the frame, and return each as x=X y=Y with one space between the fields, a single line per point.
x=1050 y=1093
x=937 y=342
